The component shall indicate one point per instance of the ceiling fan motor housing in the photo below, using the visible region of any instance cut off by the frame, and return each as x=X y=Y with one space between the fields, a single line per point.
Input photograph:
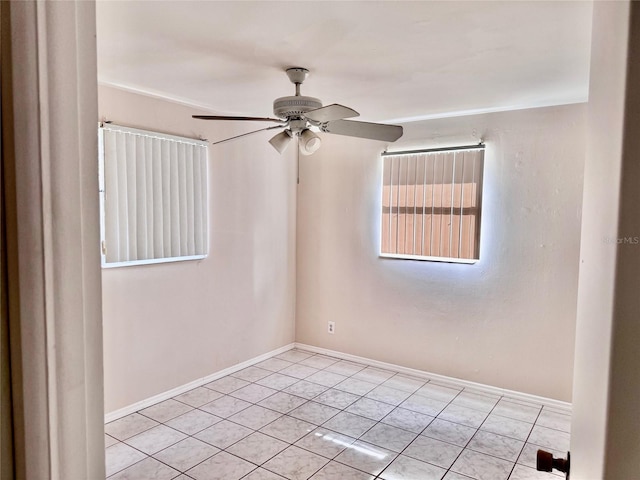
x=294 y=106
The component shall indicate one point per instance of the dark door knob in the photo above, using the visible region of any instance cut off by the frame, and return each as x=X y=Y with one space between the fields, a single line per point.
x=545 y=462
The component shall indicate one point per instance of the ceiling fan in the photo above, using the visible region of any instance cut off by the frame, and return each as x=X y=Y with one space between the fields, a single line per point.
x=298 y=114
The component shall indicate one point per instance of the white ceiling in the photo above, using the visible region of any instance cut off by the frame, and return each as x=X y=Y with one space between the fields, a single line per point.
x=389 y=60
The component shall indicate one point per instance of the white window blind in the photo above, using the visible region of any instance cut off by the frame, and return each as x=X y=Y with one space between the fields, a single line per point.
x=153 y=197
x=431 y=204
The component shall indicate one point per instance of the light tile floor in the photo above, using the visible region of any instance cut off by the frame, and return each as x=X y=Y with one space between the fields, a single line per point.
x=300 y=415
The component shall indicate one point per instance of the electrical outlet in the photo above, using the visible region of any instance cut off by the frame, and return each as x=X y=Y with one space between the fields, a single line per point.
x=332 y=327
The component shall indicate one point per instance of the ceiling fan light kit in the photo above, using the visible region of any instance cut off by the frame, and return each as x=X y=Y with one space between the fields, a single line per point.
x=281 y=141
x=298 y=113
x=309 y=142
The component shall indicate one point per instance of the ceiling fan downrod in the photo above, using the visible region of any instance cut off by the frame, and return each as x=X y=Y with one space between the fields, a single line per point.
x=297 y=75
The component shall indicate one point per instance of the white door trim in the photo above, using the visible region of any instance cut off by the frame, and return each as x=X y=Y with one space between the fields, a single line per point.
x=56 y=295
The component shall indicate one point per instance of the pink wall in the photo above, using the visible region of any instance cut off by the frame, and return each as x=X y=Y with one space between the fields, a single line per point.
x=169 y=324
x=506 y=321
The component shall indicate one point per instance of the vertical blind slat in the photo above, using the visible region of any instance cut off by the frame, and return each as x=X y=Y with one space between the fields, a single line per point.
x=182 y=201
x=404 y=204
x=451 y=216
x=174 y=197
x=166 y=198
x=390 y=201
x=197 y=203
x=473 y=196
x=205 y=199
x=158 y=238
x=155 y=199
x=419 y=207
x=140 y=193
x=112 y=234
x=386 y=212
x=148 y=207
x=131 y=196
x=460 y=254
x=191 y=241
x=123 y=198
x=441 y=205
x=424 y=203
x=393 y=215
x=415 y=205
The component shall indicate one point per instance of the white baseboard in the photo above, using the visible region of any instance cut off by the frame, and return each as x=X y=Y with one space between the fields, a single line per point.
x=442 y=379
x=129 y=409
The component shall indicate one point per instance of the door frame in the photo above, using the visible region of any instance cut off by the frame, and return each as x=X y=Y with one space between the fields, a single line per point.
x=49 y=94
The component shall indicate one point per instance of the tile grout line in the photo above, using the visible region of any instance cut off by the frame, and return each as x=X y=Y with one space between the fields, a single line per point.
x=307 y=400
x=362 y=396
x=500 y=398
x=287 y=415
x=447 y=470
x=312 y=399
x=395 y=406
x=224 y=449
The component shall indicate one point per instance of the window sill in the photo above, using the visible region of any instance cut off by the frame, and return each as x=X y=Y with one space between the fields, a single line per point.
x=466 y=261
x=152 y=261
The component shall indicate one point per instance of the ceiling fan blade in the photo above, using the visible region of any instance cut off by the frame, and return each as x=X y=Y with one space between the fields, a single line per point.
x=248 y=133
x=249 y=119
x=373 y=131
x=331 y=112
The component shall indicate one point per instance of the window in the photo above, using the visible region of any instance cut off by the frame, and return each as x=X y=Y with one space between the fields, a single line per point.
x=431 y=204
x=153 y=197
